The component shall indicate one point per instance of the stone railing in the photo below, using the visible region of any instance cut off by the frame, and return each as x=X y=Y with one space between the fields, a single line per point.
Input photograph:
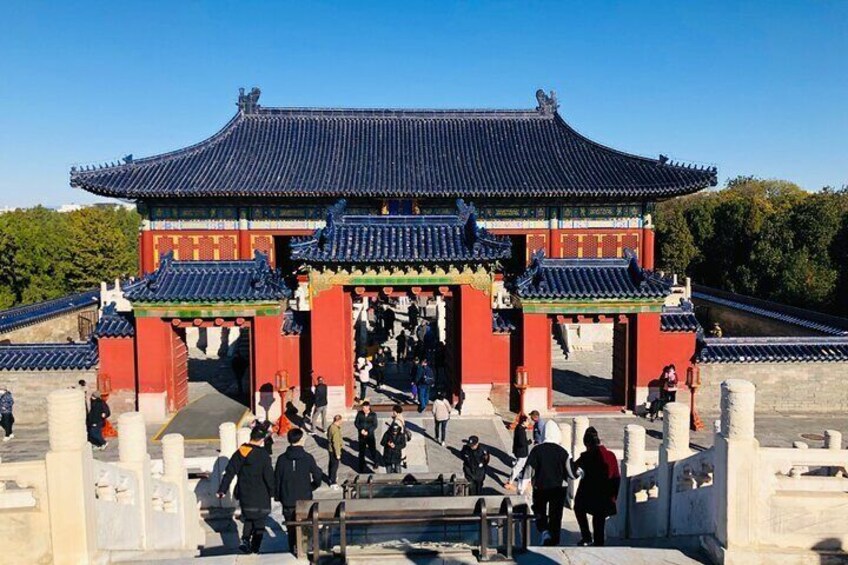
x=70 y=508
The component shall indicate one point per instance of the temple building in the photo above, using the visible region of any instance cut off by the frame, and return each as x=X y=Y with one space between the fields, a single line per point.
x=527 y=246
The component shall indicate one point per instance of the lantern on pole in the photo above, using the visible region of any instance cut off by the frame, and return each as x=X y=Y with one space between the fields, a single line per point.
x=104 y=386
x=693 y=381
x=281 y=382
x=522 y=381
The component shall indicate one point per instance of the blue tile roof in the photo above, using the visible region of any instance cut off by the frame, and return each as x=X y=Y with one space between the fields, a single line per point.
x=401 y=239
x=502 y=321
x=679 y=318
x=830 y=325
x=274 y=152
x=21 y=316
x=114 y=324
x=291 y=324
x=589 y=279
x=772 y=349
x=48 y=356
x=210 y=282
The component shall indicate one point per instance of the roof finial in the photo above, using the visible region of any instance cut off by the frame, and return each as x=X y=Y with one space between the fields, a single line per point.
x=249 y=103
x=547 y=103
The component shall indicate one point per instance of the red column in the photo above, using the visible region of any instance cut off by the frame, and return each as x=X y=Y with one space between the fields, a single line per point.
x=475 y=336
x=154 y=354
x=145 y=252
x=331 y=337
x=651 y=357
x=266 y=349
x=647 y=258
x=536 y=350
x=117 y=360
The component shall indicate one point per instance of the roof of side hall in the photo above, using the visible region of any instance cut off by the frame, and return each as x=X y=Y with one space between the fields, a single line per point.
x=279 y=152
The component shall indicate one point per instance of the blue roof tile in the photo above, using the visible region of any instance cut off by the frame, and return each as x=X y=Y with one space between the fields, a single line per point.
x=401 y=239
x=275 y=152
x=679 y=318
x=114 y=324
x=48 y=356
x=291 y=324
x=589 y=279
x=502 y=321
x=772 y=349
x=21 y=316
x=210 y=282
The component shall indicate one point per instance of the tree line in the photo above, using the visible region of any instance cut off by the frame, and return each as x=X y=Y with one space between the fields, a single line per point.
x=46 y=254
x=764 y=238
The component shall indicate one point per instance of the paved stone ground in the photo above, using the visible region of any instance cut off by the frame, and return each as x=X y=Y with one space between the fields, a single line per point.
x=584 y=378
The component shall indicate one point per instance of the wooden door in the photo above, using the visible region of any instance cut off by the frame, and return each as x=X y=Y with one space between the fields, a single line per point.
x=620 y=360
x=178 y=379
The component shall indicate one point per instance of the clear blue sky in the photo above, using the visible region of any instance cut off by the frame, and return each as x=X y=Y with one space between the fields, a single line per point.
x=755 y=88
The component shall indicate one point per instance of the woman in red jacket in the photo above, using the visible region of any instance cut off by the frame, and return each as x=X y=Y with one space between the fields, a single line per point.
x=598 y=488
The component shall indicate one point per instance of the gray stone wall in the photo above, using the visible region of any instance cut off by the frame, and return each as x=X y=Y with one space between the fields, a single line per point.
x=30 y=390
x=58 y=329
x=781 y=387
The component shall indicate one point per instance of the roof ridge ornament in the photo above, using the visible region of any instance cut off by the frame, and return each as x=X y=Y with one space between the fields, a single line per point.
x=248 y=103
x=547 y=102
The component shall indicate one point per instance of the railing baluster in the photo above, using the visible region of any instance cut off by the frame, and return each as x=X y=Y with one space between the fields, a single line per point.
x=484 y=531
x=316 y=540
x=510 y=528
x=343 y=530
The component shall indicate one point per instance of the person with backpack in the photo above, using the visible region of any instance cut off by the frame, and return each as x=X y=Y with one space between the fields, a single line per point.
x=296 y=476
x=475 y=463
x=98 y=411
x=393 y=442
x=426 y=379
x=441 y=417
x=7 y=419
x=551 y=466
x=251 y=464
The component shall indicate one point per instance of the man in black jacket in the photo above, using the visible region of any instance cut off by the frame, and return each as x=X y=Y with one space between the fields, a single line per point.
x=319 y=398
x=96 y=419
x=295 y=476
x=551 y=466
x=366 y=426
x=251 y=463
x=475 y=462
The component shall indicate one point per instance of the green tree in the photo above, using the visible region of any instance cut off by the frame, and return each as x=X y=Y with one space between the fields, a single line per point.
x=675 y=244
x=98 y=248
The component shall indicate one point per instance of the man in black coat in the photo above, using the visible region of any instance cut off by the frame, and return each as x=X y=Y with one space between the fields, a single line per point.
x=95 y=419
x=319 y=398
x=295 y=476
x=551 y=466
x=251 y=463
x=475 y=462
x=366 y=427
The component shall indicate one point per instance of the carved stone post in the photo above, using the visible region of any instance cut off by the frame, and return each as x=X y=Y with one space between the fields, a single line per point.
x=228 y=438
x=132 y=455
x=173 y=462
x=70 y=479
x=833 y=440
x=578 y=429
x=675 y=445
x=632 y=464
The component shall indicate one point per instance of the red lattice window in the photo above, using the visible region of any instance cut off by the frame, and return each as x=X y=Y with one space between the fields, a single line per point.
x=631 y=242
x=569 y=247
x=206 y=247
x=590 y=246
x=610 y=245
x=227 y=248
x=534 y=243
x=185 y=250
x=164 y=245
x=263 y=244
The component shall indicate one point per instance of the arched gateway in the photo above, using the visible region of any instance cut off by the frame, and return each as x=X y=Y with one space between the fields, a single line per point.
x=247 y=231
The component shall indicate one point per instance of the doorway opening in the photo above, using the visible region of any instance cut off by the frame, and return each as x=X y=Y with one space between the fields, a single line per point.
x=589 y=363
x=392 y=329
x=219 y=362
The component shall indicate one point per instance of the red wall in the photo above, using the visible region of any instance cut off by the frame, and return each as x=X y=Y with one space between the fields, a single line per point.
x=656 y=349
x=536 y=338
x=154 y=357
x=476 y=338
x=117 y=361
x=266 y=349
x=594 y=242
x=501 y=360
x=289 y=358
x=331 y=337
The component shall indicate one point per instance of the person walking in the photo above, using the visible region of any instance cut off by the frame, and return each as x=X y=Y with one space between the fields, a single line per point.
x=363 y=375
x=413 y=312
x=538 y=427
x=267 y=428
x=7 y=418
x=402 y=341
x=551 y=466
x=380 y=361
x=598 y=491
x=441 y=417
x=389 y=320
x=413 y=379
x=670 y=385
x=319 y=397
x=475 y=463
x=98 y=411
x=296 y=475
x=334 y=446
x=366 y=426
x=520 y=451
x=393 y=442
x=426 y=379
x=251 y=464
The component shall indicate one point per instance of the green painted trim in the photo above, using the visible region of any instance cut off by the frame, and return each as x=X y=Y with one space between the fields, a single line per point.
x=366 y=280
x=206 y=310
x=589 y=307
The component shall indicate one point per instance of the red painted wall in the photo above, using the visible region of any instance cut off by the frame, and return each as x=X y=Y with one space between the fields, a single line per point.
x=656 y=349
x=289 y=358
x=594 y=242
x=117 y=361
x=331 y=320
x=501 y=359
x=647 y=257
x=475 y=318
x=266 y=349
x=153 y=354
x=536 y=358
